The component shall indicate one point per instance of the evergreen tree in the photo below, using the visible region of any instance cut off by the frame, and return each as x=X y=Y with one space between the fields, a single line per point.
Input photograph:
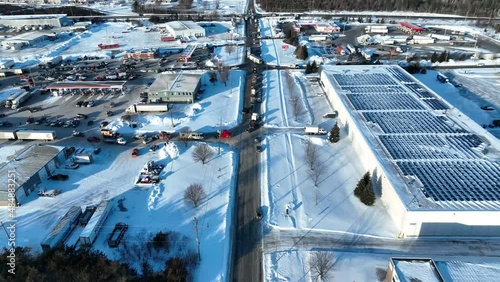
x=335 y=134
x=364 y=190
x=443 y=56
x=135 y=6
x=314 y=67
x=301 y=52
x=308 y=68
x=434 y=57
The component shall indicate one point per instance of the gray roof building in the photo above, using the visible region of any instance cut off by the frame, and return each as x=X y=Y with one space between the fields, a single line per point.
x=176 y=87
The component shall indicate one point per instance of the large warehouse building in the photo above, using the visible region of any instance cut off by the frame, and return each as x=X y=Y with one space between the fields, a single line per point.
x=438 y=171
x=28 y=169
x=53 y=20
x=24 y=40
x=185 y=29
x=181 y=88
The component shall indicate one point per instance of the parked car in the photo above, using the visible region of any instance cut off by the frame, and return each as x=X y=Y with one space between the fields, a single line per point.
x=75 y=123
x=90 y=122
x=59 y=177
x=147 y=140
x=90 y=104
x=97 y=151
x=93 y=139
x=153 y=148
x=5 y=123
x=71 y=166
x=109 y=113
x=121 y=141
x=35 y=109
x=85 y=104
x=79 y=104
x=78 y=134
x=40 y=120
x=259 y=149
x=140 y=136
x=135 y=152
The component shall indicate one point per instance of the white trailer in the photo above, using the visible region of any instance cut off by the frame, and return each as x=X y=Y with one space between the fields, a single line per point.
x=90 y=232
x=138 y=108
x=13 y=96
x=314 y=130
x=82 y=158
x=440 y=37
x=8 y=135
x=16 y=103
x=54 y=61
x=377 y=29
x=36 y=135
x=422 y=40
x=351 y=49
x=254 y=58
x=317 y=37
x=62 y=229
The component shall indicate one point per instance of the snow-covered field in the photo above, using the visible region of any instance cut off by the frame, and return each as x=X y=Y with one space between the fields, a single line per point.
x=230 y=55
x=330 y=206
x=146 y=210
x=480 y=88
x=219 y=108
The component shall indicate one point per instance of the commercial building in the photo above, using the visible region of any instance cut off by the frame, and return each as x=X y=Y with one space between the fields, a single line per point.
x=426 y=269
x=53 y=20
x=61 y=86
x=141 y=54
x=24 y=40
x=185 y=29
x=180 y=87
x=438 y=171
x=29 y=168
x=410 y=28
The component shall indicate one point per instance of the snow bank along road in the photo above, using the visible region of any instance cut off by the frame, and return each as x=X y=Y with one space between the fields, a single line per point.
x=280 y=240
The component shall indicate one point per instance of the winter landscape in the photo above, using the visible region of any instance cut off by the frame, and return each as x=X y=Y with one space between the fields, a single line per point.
x=249 y=141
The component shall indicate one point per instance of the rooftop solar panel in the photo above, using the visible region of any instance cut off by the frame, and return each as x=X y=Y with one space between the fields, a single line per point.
x=384 y=102
x=409 y=122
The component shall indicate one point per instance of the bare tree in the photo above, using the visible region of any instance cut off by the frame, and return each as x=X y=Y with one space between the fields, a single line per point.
x=381 y=274
x=230 y=48
x=224 y=75
x=217 y=4
x=202 y=153
x=194 y=194
x=321 y=263
x=311 y=154
x=296 y=106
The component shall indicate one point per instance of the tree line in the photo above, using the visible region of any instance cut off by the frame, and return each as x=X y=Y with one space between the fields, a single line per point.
x=482 y=8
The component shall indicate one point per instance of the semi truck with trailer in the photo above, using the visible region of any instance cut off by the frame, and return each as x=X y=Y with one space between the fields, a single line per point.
x=7 y=135
x=16 y=103
x=440 y=37
x=314 y=130
x=46 y=135
x=377 y=29
x=139 y=108
x=191 y=135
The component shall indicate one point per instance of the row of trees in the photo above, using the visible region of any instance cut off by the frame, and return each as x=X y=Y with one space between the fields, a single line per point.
x=485 y=8
x=295 y=99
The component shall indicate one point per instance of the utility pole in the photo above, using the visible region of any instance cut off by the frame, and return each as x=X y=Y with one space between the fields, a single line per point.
x=197 y=238
x=172 y=117
x=218 y=135
x=7 y=233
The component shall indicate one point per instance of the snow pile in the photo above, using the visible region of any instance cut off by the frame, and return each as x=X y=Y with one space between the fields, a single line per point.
x=171 y=150
x=317 y=59
x=192 y=109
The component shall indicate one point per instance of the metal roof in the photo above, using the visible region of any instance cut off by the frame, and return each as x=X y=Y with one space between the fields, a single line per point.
x=86 y=85
x=27 y=163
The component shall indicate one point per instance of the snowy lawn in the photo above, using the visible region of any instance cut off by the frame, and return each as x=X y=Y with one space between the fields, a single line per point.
x=294 y=266
x=331 y=206
x=230 y=55
x=273 y=53
x=220 y=107
x=145 y=210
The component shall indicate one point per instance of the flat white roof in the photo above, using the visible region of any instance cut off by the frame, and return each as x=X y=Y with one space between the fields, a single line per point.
x=26 y=36
x=24 y=17
x=435 y=153
x=181 y=82
x=184 y=25
x=410 y=270
x=70 y=216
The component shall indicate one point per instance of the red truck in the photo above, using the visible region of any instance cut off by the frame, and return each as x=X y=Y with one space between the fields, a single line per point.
x=225 y=134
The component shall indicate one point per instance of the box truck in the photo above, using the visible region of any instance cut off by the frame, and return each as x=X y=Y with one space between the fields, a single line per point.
x=137 y=108
x=314 y=130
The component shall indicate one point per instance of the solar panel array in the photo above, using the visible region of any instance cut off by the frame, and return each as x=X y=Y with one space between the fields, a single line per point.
x=380 y=102
x=422 y=143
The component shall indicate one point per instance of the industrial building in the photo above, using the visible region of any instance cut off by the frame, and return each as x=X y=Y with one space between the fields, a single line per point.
x=24 y=40
x=410 y=28
x=53 y=20
x=141 y=54
x=426 y=269
x=61 y=86
x=185 y=29
x=176 y=87
x=437 y=171
x=29 y=169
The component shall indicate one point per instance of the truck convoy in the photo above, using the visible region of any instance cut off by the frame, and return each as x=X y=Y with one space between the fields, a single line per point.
x=139 y=108
x=46 y=135
x=314 y=130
